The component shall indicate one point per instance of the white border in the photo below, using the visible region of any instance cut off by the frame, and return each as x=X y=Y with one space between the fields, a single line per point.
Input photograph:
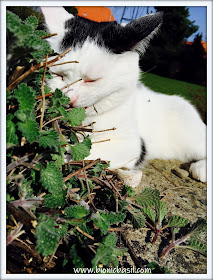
x=209 y=6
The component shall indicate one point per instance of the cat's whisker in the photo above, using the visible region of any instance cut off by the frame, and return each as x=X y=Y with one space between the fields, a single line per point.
x=101 y=141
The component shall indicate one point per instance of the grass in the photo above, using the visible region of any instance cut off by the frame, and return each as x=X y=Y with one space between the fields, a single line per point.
x=196 y=94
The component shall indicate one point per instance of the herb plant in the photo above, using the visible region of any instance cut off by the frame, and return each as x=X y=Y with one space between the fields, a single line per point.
x=57 y=210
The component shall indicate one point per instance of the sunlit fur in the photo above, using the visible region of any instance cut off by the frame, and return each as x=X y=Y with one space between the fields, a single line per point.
x=169 y=126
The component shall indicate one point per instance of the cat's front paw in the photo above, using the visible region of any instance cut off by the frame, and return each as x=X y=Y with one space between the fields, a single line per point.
x=130 y=177
x=198 y=170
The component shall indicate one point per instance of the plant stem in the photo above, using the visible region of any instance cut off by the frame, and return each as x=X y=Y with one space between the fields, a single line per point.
x=81 y=170
x=156 y=235
x=43 y=95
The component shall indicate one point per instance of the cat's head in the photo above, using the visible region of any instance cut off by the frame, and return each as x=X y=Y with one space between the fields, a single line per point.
x=107 y=54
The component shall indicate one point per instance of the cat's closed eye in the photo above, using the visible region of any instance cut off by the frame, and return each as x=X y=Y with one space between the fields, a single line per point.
x=87 y=80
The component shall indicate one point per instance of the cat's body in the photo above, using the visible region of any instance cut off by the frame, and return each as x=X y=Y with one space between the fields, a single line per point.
x=138 y=123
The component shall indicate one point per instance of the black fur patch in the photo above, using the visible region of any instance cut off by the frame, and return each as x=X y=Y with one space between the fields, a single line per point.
x=113 y=36
x=142 y=154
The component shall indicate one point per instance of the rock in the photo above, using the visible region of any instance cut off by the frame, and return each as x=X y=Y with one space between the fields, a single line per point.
x=181 y=173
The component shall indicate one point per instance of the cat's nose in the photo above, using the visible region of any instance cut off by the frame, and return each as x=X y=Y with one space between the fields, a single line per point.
x=73 y=100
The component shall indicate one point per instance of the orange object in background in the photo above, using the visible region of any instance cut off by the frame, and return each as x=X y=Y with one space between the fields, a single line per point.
x=204 y=44
x=98 y=14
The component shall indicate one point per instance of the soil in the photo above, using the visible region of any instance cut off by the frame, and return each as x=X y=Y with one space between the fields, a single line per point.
x=184 y=197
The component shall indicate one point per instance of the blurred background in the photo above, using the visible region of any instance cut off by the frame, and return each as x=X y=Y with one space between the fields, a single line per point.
x=176 y=60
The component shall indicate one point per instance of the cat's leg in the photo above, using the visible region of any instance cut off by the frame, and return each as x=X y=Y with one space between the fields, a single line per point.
x=123 y=156
x=130 y=177
x=198 y=170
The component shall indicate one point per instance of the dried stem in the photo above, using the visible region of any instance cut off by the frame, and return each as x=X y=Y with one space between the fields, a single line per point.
x=49 y=35
x=101 y=141
x=84 y=233
x=81 y=170
x=64 y=63
x=51 y=93
x=43 y=95
x=35 y=68
x=131 y=252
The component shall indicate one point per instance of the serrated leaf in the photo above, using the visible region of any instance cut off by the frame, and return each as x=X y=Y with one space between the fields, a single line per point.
x=198 y=246
x=59 y=99
x=54 y=200
x=87 y=142
x=51 y=178
x=76 y=212
x=79 y=151
x=29 y=129
x=177 y=221
x=49 y=139
x=117 y=252
x=105 y=251
x=101 y=222
x=137 y=218
x=33 y=21
x=113 y=218
x=25 y=115
x=150 y=213
x=161 y=211
x=13 y=22
x=76 y=116
x=48 y=233
x=73 y=138
x=25 y=96
x=147 y=198
x=11 y=137
x=76 y=259
x=58 y=159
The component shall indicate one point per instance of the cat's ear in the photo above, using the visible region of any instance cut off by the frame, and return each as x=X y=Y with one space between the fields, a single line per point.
x=55 y=18
x=142 y=30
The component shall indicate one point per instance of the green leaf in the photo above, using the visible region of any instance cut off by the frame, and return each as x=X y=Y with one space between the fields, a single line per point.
x=25 y=115
x=148 y=197
x=59 y=99
x=49 y=139
x=76 y=116
x=177 y=221
x=76 y=212
x=29 y=129
x=76 y=259
x=79 y=151
x=113 y=218
x=51 y=178
x=198 y=246
x=104 y=253
x=161 y=211
x=48 y=234
x=11 y=137
x=101 y=222
x=137 y=218
x=58 y=160
x=25 y=96
x=150 y=213
x=87 y=142
x=13 y=22
x=33 y=21
x=104 y=220
x=54 y=200
x=128 y=190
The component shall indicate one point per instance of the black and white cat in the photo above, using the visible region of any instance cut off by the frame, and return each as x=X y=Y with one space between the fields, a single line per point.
x=148 y=124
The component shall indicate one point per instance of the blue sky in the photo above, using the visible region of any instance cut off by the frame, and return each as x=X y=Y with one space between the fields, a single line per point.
x=197 y=14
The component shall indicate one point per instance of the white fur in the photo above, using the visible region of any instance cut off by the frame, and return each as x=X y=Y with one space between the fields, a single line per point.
x=170 y=126
x=55 y=25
